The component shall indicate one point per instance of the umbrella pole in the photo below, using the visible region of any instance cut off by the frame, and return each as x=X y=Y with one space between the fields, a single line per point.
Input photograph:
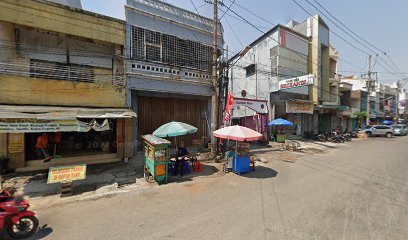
x=236 y=147
x=175 y=143
x=235 y=158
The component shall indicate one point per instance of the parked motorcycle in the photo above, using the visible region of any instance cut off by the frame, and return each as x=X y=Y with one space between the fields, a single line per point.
x=355 y=133
x=15 y=218
x=7 y=194
x=334 y=137
x=346 y=136
x=322 y=137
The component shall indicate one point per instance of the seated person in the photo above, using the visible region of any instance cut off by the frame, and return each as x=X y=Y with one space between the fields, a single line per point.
x=182 y=152
x=181 y=157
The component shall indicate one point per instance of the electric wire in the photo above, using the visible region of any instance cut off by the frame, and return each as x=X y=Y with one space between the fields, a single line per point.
x=393 y=66
x=232 y=3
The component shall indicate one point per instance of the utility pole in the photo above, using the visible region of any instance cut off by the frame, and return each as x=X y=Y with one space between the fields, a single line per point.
x=256 y=77
x=214 y=99
x=368 y=91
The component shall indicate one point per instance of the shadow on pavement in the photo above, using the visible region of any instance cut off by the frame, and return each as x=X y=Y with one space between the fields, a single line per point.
x=43 y=232
x=208 y=170
x=261 y=172
x=325 y=145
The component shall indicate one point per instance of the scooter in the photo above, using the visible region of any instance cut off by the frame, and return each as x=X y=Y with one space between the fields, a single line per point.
x=15 y=218
x=332 y=136
x=7 y=194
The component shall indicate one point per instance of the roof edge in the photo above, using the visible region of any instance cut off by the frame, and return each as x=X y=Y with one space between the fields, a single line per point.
x=269 y=32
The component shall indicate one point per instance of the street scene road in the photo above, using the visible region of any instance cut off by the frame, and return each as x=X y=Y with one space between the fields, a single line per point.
x=176 y=119
x=357 y=191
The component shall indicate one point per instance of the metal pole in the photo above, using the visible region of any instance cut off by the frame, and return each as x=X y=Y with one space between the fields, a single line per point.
x=256 y=78
x=368 y=91
x=214 y=99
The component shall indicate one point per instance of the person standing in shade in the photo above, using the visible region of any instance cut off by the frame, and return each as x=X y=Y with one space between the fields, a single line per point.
x=57 y=142
x=41 y=148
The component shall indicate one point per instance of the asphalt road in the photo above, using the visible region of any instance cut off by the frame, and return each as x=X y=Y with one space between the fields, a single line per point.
x=357 y=191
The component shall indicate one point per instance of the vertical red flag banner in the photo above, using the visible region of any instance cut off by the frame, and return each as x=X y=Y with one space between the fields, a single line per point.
x=228 y=108
x=283 y=37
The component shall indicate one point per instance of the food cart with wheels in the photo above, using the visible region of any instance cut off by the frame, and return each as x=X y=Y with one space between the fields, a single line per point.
x=156 y=157
x=280 y=133
x=241 y=162
x=241 y=158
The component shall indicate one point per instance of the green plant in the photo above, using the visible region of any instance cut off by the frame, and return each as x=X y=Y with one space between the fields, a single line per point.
x=359 y=116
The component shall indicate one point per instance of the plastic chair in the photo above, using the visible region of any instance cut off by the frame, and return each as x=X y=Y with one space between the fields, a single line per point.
x=187 y=168
x=198 y=167
x=171 y=167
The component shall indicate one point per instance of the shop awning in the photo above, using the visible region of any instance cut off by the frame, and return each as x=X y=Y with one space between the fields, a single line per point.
x=336 y=107
x=62 y=113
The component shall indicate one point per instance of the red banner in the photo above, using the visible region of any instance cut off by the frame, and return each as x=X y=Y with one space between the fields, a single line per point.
x=230 y=104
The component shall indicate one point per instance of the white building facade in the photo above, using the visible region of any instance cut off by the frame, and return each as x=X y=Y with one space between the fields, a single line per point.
x=279 y=54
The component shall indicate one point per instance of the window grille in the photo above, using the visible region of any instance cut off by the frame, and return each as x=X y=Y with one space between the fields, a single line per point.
x=60 y=71
x=153 y=53
x=149 y=45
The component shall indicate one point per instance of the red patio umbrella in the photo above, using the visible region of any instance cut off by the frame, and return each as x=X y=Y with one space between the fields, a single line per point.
x=238 y=133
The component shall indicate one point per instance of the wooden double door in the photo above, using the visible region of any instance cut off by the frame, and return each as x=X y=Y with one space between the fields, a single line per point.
x=156 y=111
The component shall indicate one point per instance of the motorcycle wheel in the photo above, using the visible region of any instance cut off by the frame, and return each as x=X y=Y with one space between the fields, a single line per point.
x=26 y=227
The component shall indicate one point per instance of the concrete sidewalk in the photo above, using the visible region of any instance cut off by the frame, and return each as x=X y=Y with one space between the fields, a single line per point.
x=106 y=180
x=140 y=185
x=277 y=151
x=101 y=181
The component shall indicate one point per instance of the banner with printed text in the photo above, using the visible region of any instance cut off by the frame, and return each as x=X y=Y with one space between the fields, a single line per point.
x=259 y=106
x=66 y=174
x=299 y=107
x=297 y=82
x=52 y=126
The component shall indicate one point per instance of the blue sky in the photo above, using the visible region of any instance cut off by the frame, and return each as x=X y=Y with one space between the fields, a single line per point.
x=377 y=21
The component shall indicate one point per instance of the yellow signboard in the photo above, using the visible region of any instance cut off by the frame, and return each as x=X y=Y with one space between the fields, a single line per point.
x=66 y=173
x=299 y=107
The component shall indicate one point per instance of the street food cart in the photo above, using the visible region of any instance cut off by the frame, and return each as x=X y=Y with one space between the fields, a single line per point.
x=156 y=157
x=280 y=136
x=280 y=133
x=241 y=161
x=241 y=158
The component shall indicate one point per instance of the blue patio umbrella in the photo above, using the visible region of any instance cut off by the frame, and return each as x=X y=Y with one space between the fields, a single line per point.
x=388 y=122
x=280 y=122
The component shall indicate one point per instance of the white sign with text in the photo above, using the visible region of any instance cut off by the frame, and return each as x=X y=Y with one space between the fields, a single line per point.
x=297 y=82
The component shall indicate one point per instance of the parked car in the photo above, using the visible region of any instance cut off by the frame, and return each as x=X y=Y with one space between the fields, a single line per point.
x=379 y=130
x=400 y=129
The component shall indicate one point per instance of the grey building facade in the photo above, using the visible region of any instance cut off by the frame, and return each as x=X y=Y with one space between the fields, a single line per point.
x=168 y=66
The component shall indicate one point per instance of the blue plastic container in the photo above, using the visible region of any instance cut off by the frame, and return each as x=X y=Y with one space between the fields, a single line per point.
x=241 y=165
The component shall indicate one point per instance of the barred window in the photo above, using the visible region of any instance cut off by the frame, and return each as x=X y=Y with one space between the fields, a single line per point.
x=138 y=43
x=60 y=71
x=154 y=46
x=153 y=53
x=152 y=37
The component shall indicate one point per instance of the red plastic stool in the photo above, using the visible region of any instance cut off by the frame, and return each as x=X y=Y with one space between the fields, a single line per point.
x=198 y=167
